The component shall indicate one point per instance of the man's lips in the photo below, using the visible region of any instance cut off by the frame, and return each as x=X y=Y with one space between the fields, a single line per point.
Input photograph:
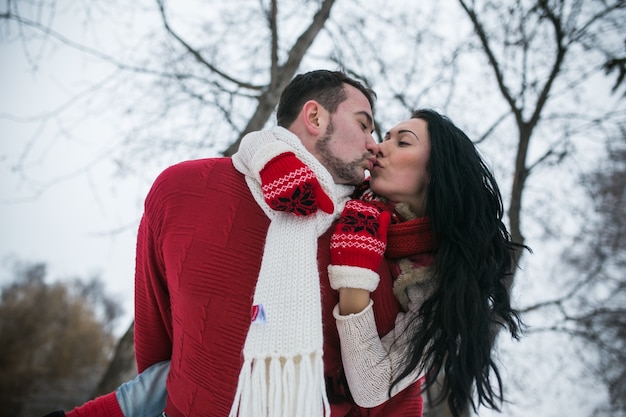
x=374 y=163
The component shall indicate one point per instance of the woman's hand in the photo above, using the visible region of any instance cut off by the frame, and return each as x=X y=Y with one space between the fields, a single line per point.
x=357 y=247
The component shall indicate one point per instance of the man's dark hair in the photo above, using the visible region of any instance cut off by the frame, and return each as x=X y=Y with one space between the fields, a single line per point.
x=326 y=87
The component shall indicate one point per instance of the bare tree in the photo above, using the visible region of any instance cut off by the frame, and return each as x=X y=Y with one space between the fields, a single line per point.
x=225 y=88
x=530 y=48
x=591 y=311
x=277 y=72
x=121 y=368
x=55 y=340
x=539 y=55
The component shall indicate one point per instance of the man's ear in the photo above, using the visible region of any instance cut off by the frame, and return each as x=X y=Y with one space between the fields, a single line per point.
x=315 y=117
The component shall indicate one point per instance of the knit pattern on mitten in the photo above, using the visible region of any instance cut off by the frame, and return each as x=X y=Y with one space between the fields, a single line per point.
x=360 y=237
x=289 y=185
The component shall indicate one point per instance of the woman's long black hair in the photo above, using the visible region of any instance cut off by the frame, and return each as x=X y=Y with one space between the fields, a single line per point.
x=474 y=257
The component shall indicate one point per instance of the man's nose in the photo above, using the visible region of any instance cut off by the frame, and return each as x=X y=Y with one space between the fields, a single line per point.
x=372 y=145
x=380 y=149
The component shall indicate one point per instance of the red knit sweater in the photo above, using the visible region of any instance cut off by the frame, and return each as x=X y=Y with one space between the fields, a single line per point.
x=199 y=252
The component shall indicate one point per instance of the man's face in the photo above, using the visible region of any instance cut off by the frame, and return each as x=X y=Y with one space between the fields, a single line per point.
x=347 y=148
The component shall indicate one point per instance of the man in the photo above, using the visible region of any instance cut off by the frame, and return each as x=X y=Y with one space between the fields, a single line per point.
x=212 y=261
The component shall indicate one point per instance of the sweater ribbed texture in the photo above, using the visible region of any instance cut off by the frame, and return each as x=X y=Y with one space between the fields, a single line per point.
x=199 y=252
x=104 y=406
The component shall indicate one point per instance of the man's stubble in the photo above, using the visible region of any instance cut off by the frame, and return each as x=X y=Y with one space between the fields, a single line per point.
x=342 y=171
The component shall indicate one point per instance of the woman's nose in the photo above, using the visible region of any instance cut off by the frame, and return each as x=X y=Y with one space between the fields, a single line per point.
x=380 y=149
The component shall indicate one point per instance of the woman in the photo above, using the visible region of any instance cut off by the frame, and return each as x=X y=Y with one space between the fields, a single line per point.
x=452 y=256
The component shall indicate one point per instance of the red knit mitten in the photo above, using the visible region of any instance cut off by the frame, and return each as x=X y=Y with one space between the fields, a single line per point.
x=357 y=246
x=291 y=186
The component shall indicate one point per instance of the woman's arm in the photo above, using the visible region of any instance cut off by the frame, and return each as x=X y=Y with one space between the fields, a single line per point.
x=372 y=363
x=353 y=300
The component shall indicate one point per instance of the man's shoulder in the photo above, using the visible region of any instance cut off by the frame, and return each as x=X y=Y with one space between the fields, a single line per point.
x=195 y=170
x=194 y=175
x=194 y=166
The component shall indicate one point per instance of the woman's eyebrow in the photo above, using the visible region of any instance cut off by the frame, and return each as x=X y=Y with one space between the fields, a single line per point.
x=403 y=131
x=408 y=131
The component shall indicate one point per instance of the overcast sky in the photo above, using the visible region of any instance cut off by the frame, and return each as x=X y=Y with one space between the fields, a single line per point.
x=59 y=202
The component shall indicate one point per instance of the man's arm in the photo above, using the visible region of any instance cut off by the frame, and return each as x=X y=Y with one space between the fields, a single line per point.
x=153 y=327
x=142 y=396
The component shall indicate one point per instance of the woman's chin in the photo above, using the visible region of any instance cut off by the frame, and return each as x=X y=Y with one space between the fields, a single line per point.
x=375 y=185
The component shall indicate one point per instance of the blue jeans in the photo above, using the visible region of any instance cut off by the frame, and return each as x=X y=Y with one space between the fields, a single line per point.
x=145 y=395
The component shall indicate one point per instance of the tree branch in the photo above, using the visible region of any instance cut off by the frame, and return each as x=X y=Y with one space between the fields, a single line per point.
x=284 y=73
x=493 y=62
x=556 y=66
x=95 y=53
x=198 y=56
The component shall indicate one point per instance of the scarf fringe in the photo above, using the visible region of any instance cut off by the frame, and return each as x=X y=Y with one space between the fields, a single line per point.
x=283 y=387
x=283 y=370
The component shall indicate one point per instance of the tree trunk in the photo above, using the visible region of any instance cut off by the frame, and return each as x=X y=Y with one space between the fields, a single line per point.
x=432 y=408
x=122 y=367
x=281 y=75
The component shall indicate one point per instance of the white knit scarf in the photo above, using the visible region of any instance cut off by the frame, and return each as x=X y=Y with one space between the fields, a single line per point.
x=283 y=369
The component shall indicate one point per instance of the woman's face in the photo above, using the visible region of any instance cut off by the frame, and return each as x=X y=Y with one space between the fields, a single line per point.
x=401 y=170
